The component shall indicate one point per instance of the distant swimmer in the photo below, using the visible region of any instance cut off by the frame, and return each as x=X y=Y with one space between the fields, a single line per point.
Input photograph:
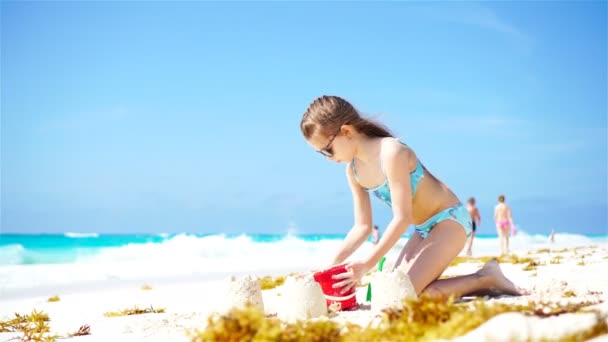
x=476 y=221
x=504 y=223
x=375 y=235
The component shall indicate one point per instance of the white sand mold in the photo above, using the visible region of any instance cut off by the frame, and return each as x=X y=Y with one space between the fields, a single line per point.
x=241 y=292
x=302 y=299
x=389 y=289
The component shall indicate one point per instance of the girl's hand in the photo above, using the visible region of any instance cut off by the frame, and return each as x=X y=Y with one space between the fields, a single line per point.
x=354 y=272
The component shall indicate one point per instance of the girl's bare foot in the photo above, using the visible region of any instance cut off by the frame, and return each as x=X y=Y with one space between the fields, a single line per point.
x=497 y=280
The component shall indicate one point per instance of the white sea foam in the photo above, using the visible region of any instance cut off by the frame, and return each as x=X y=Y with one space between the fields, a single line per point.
x=12 y=254
x=208 y=256
x=81 y=235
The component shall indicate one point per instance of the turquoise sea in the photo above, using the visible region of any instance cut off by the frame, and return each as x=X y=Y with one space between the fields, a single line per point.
x=27 y=249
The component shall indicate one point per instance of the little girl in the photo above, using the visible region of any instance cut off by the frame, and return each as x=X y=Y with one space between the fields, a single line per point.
x=378 y=163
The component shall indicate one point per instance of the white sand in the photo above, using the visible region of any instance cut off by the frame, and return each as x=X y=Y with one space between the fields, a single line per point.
x=188 y=304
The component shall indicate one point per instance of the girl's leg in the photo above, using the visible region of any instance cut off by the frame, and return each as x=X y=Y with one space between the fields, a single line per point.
x=504 y=231
x=501 y=239
x=469 y=245
x=488 y=279
x=409 y=250
x=434 y=255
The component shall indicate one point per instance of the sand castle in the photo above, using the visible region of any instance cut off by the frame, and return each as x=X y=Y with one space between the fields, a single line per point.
x=303 y=296
x=389 y=288
x=241 y=292
x=302 y=299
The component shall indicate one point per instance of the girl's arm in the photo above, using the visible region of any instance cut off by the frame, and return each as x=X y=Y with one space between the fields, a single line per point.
x=363 y=219
x=396 y=160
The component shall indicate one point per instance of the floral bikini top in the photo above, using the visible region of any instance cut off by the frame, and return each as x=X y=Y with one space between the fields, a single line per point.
x=383 y=191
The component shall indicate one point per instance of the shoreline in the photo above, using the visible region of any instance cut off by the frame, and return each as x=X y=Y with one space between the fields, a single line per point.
x=575 y=274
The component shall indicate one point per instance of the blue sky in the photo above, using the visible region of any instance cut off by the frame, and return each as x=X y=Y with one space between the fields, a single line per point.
x=170 y=117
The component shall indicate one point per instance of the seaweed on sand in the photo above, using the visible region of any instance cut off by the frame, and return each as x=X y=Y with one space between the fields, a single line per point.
x=53 y=299
x=508 y=258
x=422 y=319
x=134 y=311
x=33 y=326
x=268 y=282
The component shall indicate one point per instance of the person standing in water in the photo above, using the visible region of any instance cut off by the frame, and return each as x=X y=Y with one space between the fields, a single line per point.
x=476 y=222
x=379 y=164
x=375 y=235
x=504 y=222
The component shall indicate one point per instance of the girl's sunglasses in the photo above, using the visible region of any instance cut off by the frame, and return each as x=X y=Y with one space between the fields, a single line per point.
x=328 y=150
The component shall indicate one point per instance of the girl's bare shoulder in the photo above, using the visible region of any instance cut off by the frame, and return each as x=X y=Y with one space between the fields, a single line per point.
x=393 y=146
x=392 y=149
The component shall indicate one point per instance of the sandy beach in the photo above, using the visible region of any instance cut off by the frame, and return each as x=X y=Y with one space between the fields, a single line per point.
x=558 y=276
x=164 y=162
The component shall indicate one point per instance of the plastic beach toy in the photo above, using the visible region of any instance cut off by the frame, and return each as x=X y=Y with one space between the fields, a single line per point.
x=333 y=297
x=369 y=286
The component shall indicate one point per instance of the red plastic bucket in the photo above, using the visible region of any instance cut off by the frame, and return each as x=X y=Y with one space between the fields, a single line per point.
x=345 y=301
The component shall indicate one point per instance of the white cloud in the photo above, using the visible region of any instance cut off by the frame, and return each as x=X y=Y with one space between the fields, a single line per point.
x=486 y=18
x=473 y=14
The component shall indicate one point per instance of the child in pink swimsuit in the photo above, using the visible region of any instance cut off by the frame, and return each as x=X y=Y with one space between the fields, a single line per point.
x=504 y=221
